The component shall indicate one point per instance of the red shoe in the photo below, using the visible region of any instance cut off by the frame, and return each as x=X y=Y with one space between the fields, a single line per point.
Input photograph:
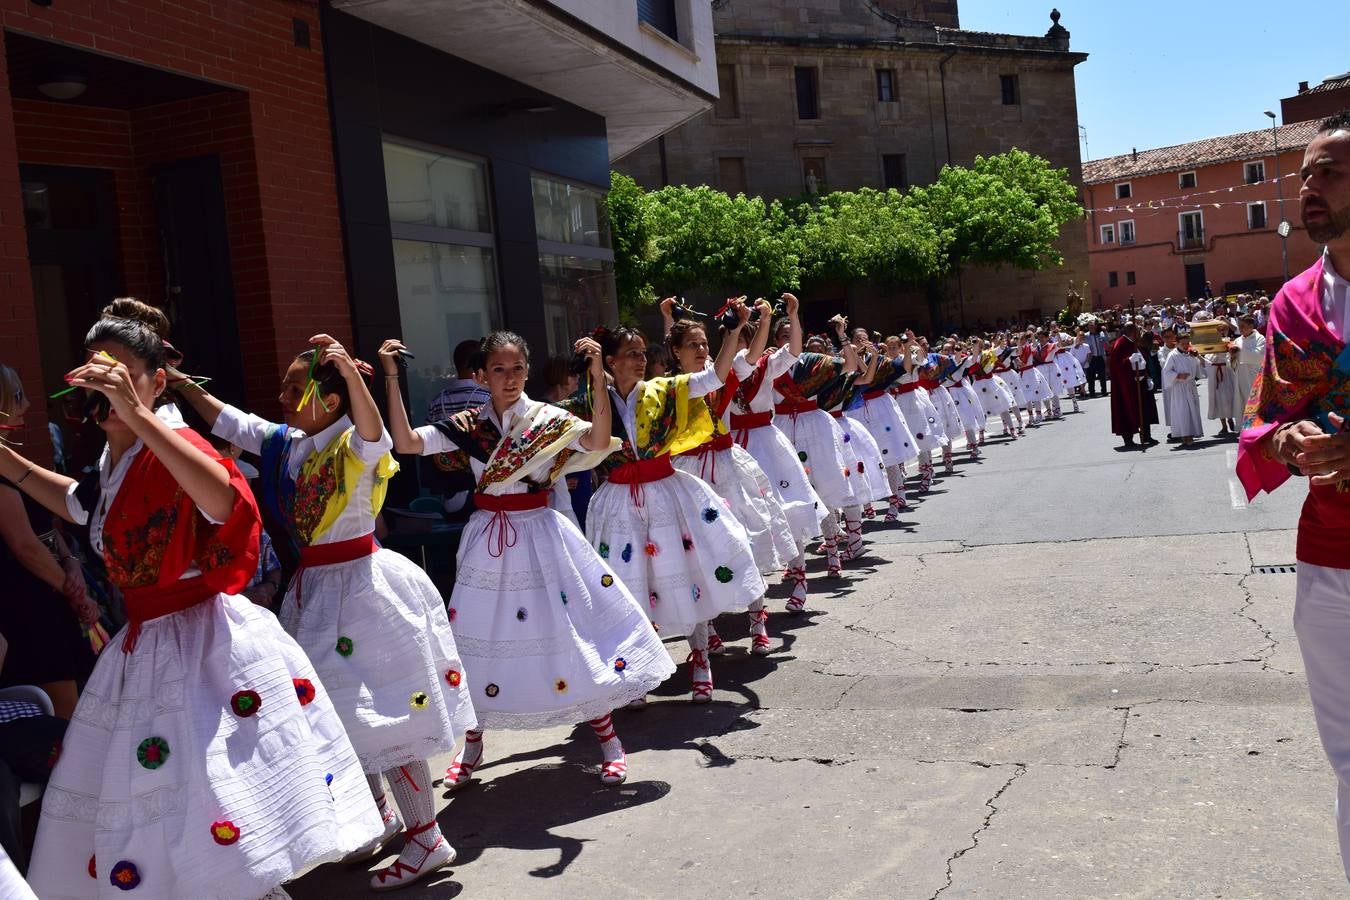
x=401 y=874
x=466 y=760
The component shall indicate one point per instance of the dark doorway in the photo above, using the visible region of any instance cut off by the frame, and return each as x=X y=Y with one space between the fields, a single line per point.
x=71 y=218
x=198 y=287
x=1195 y=281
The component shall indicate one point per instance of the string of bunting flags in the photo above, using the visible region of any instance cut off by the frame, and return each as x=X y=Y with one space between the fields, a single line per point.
x=1173 y=203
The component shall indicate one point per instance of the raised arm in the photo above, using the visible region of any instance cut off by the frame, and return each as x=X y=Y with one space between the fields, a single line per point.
x=195 y=396
x=795 y=338
x=205 y=480
x=365 y=414
x=406 y=440
x=726 y=354
x=870 y=372
x=760 y=342
x=667 y=316
x=598 y=437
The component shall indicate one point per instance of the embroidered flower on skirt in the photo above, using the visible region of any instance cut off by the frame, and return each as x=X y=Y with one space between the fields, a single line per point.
x=653 y=599
x=125 y=875
x=93 y=871
x=152 y=752
x=224 y=833
x=724 y=574
x=522 y=614
x=452 y=613
x=563 y=595
x=246 y=703
x=453 y=678
x=688 y=542
x=345 y=646
x=801 y=454
x=492 y=690
x=696 y=592
x=627 y=554
x=710 y=515
x=604 y=550
x=419 y=700
x=620 y=664
x=560 y=686
x=607 y=580
x=848 y=438
x=651 y=549
x=304 y=690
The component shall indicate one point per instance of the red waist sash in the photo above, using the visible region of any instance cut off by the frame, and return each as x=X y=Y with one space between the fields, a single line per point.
x=788 y=408
x=928 y=384
x=642 y=471
x=742 y=425
x=707 y=455
x=907 y=388
x=330 y=555
x=500 y=532
x=983 y=376
x=837 y=413
x=146 y=603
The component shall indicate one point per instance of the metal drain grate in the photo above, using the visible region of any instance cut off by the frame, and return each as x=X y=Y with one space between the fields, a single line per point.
x=1289 y=569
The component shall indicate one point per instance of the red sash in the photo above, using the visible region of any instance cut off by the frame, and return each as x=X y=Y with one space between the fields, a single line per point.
x=983 y=376
x=707 y=455
x=331 y=555
x=907 y=388
x=500 y=532
x=869 y=396
x=642 y=471
x=742 y=425
x=928 y=384
x=788 y=408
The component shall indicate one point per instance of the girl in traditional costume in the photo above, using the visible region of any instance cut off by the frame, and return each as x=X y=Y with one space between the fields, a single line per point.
x=963 y=401
x=751 y=419
x=732 y=473
x=994 y=395
x=370 y=619
x=205 y=757
x=1050 y=374
x=1034 y=385
x=547 y=634
x=818 y=439
x=921 y=416
x=878 y=412
x=670 y=538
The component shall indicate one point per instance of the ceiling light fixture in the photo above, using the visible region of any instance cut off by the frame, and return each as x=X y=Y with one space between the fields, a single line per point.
x=63 y=85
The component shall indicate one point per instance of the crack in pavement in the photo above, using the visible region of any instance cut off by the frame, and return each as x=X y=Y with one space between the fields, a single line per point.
x=990 y=804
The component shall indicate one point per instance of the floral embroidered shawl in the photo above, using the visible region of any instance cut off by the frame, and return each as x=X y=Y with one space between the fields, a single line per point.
x=536 y=451
x=314 y=499
x=1306 y=374
x=809 y=376
x=669 y=421
x=153 y=532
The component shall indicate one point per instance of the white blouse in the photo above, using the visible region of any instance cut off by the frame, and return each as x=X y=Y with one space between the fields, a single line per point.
x=780 y=363
x=356 y=519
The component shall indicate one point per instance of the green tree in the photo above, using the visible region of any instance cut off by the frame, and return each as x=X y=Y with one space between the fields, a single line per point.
x=703 y=238
x=1006 y=209
x=631 y=237
x=865 y=235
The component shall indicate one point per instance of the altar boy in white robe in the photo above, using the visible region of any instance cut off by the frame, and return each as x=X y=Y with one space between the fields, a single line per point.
x=1180 y=373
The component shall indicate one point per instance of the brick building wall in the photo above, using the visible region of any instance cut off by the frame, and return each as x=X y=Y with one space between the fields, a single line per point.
x=273 y=136
x=757 y=142
x=1321 y=102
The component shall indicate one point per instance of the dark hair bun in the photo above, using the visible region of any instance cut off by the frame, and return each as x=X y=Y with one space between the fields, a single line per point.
x=130 y=308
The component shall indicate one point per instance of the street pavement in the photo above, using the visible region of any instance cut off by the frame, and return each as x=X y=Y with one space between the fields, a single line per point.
x=1059 y=676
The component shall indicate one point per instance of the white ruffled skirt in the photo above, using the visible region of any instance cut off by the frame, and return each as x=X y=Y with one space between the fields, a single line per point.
x=1014 y=383
x=923 y=419
x=1034 y=386
x=994 y=395
x=736 y=478
x=820 y=441
x=890 y=430
x=209 y=762
x=390 y=678
x=681 y=552
x=870 y=483
x=797 y=499
x=1054 y=376
x=968 y=406
x=547 y=634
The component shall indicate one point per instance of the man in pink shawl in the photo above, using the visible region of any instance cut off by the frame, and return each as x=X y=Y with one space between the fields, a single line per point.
x=1293 y=425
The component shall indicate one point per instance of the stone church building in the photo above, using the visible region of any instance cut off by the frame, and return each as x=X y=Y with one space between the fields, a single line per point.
x=821 y=95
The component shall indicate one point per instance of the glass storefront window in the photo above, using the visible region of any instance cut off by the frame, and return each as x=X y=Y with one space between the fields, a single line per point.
x=569 y=214
x=429 y=188
x=447 y=293
x=578 y=295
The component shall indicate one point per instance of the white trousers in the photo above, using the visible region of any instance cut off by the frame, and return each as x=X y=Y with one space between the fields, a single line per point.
x=1322 y=623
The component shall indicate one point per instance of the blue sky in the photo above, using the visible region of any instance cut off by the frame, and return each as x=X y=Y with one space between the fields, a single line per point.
x=1162 y=73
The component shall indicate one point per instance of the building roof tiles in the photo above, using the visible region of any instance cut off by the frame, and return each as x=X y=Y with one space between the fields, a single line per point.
x=1181 y=157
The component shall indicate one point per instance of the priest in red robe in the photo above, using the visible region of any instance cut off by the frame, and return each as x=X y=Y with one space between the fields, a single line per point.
x=1132 y=406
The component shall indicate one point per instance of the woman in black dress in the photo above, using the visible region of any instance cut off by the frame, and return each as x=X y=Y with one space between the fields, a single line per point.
x=42 y=605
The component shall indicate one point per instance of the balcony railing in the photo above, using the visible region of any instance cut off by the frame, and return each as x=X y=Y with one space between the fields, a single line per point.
x=1191 y=240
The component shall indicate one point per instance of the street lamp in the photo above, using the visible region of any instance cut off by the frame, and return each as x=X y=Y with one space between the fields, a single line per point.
x=1283 y=228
